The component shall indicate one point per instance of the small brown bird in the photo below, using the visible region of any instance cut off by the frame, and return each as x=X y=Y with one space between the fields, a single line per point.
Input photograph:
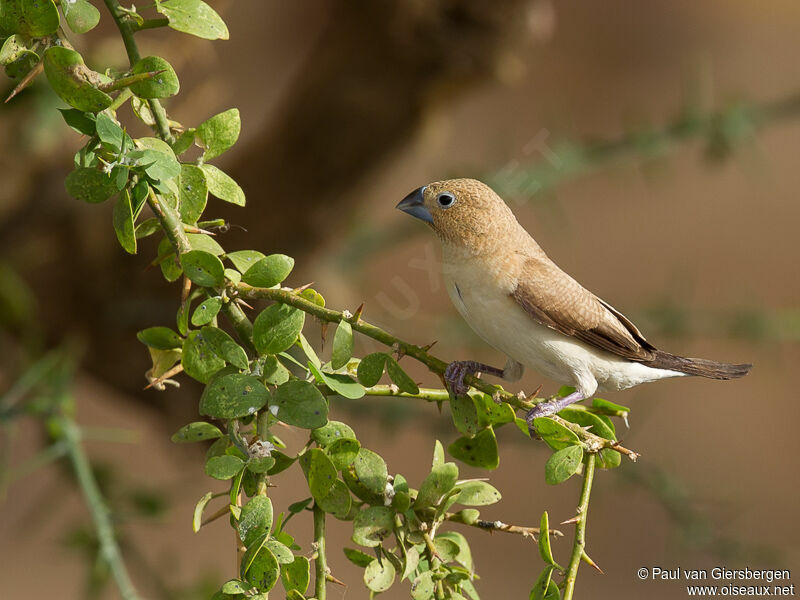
x=521 y=303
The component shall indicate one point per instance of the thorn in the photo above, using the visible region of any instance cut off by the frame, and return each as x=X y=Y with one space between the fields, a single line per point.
x=427 y=347
x=535 y=394
x=158 y=381
x=439 y=406
x=193 y=229
x=357 y=314
x=27 y=80
x=187 y=286
x=332 y=579
x=323 y=332
x=625 y=420
x=303 y=287
x=571 y=521
x=585 y=558
x=243 y=303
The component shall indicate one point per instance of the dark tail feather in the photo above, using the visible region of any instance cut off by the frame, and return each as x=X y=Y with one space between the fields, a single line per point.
x=698 y=366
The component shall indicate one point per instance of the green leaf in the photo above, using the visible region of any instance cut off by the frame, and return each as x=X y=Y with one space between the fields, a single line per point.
x=331 y=432
x=234 y=586
x=342 y=345
x=545 y=588
x=339 y=383
x=261 y=464
x=255 y=520
x=269 y=271
x=224 y=467
x=109 y=132
x=81 y=16
x=276 y=328
x=399 y=377
x=193 y=193
x=491 y=412
x=343 y=453
x=206 y=311
x=157 y=158
x=198 y=431
x=244 y=259
x=203 y=268
x=357 y=557
x=465 y=415
x=264 y=570
x=198 y=360
x=439 y=482
x=545 y=551
x=197 y=517
x=422 y=588
x=204 y=242
x=477 y=493
x=225 y=347
x=222 y=186
x=296 y=575
x=563 y=464
x=162 y=85
x=370 y=369
x=122 y=218
x=193 y=17
x=463 y=554
x=319 y=471
x=273 y=371
x=184 y=141
x=610 y=406
x=90 y=185
x=594 y=422
x=299 y=403
x=233 y=396
x=82 y=122
x=161 y=338
x=554 y=434
x=305 y=346
x=479 y=451
x=438 y=454
x=32 y=18
x=379 y=575
x=219 y=133
x=372 y=525
x=22 y=64
x=72 y=80
x=337 y=501
x=371 y=472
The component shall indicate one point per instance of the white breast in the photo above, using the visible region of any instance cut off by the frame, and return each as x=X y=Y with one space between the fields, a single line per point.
x=503 y=323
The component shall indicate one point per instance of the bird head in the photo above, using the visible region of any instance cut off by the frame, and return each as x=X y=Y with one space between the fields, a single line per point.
x=464 y=212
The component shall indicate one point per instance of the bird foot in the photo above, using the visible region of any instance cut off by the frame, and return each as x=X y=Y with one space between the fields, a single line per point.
x=551 y=407
x=458 y=369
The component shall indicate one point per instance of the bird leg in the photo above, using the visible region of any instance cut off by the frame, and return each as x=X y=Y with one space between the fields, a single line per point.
x=458 y=369
x=551 y=407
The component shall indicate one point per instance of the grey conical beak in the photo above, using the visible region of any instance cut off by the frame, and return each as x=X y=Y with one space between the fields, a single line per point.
x=414 y=204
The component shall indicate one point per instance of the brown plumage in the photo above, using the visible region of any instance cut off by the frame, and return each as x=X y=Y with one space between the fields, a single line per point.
x=512 y=294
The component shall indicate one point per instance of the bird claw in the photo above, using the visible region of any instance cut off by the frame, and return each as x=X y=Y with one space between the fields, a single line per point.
x=454 y=377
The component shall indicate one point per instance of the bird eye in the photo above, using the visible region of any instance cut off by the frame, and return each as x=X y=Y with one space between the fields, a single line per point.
x=446 y=199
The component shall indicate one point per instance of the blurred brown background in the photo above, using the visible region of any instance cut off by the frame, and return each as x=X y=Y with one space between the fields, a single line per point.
x=346 y=107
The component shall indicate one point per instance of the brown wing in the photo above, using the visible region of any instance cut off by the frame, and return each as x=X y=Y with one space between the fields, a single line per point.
x=556 y=300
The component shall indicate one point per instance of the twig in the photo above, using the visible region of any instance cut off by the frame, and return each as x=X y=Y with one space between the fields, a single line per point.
x=126 y=31
x=436 y=365
x=595 y=442
x=492 y=526
x=321 y=560
x=109 y=550
x=580 y=528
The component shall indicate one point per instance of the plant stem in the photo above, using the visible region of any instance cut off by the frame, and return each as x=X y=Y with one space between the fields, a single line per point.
x=580 y=528
x=419 y=353
x=109 y=550
x=126 y=31
x=150 y=24
x=321 y=562
x=170 y=222
x=492 y=526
